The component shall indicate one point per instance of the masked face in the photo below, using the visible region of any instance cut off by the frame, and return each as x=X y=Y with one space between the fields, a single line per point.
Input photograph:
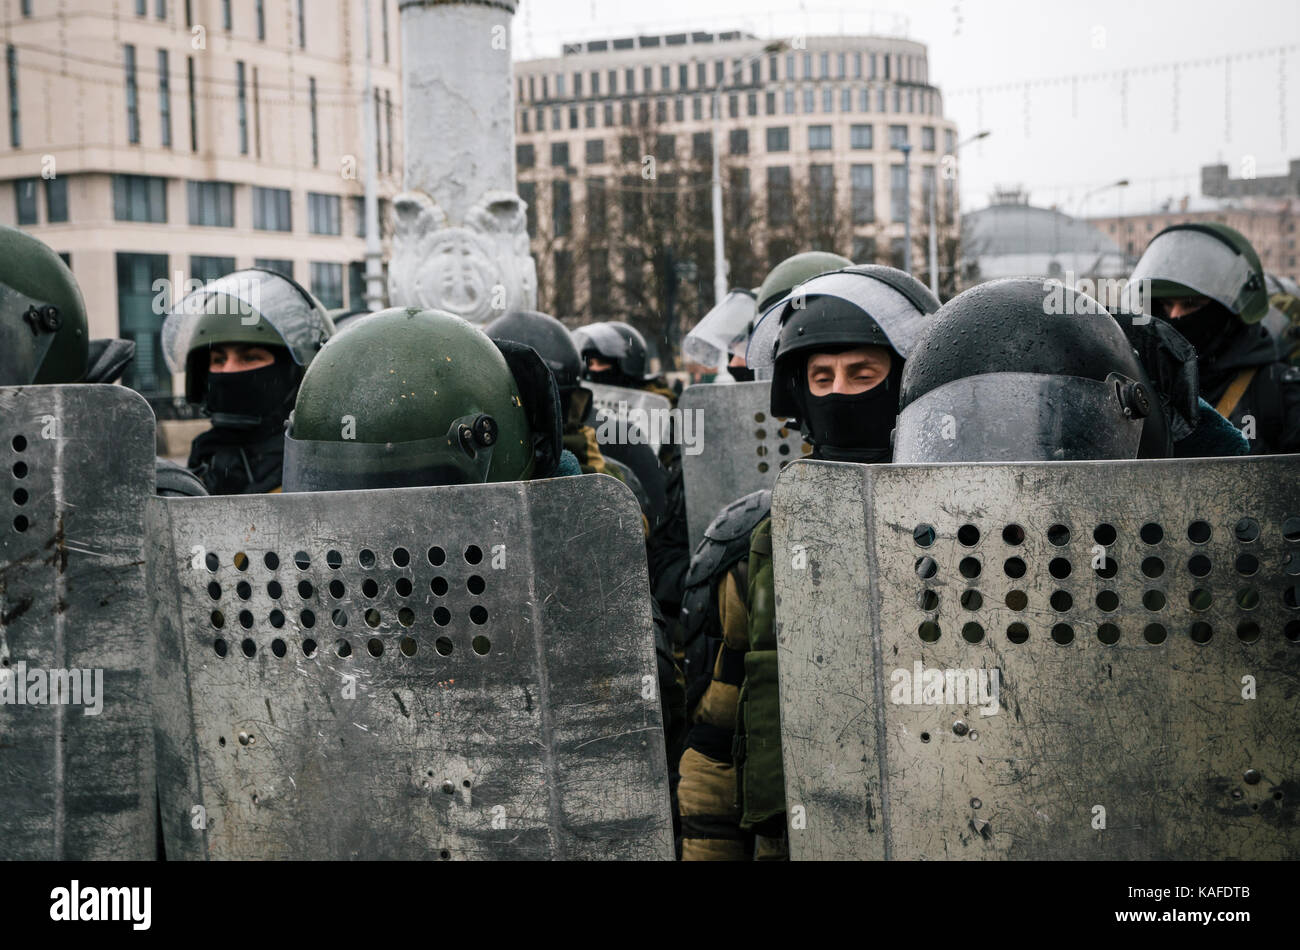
x=739 y=371
x=850 y=401
x=249 y=386
x=238 y=357
x=1201 y=320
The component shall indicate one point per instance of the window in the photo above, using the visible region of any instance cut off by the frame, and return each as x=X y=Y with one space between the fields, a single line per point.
x=947 y=141
x=563 y=297
x=862 y=196
x=789 y=66
x=630 y=199
x=864 y=99
x=860 y=136
x=661 y=110
x=809 y=100
x=719 y=72
x=577 y=85
x=927 y=185
x=629 y=149
x=828 y=99
x=864 y=250
x=596 y=217
x=140 y=198
x=595 y=83
x=679 y=110
x=819 y=138
x=595 y=151
x=756 y=72
x=132 y=96
x=897 y=136
x=191 y=84
x=324 y=214
x=824 y=65
x=559 y=154
x=56 y=200
x=241 y=93
x=272 y=209
x=625 y=113
x=227 y=23
x=898 y=100
x=613 y=82
x=788 y=102
x=779 y=198
x=25 y=200
x=846 y=99
x=165 y=98
x=778 y=138
x=880 y=101
x=525 y=156
x=136 y=277
x=599 y=276
x=737 y=194
x=857 y=70
x=665 y=148
x=261 y=20
x=807 y=66
x=701 y=75
x=629 y=80
x=740 y=141
x=210 y=268
x=647 y=79
x=27 y=7
x=559 y=86
x=589 y=115
x=872 y=73
x=927 y=138
x=841 y=65
x=702 y=146
x=897 y=257
x=557 y=119
x=733 y=106
x=769 y=102
x=212 y=203
x=11 y=68
x=697 y=108
x=561 y=209
x=302 y=33
x=357 y=286
x=327 y=284
x=751 y=104
x=821 y=191
x=683 y=76
x=528 y=195
x=898 y=192
x=609 y=114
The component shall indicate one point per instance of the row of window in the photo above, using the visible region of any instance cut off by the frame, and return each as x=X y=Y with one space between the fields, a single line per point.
x=212 y=204
x=851 y=99
x=228 y=17
x=890 y=67
x=636 y=200
x=820 y=139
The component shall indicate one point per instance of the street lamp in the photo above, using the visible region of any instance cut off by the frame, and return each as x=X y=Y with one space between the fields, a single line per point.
x=934 y=234
x=1083 y=202
x=720 y=287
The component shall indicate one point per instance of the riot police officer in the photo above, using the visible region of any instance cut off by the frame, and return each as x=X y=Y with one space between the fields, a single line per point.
x=1206 y=280
x=244 y=342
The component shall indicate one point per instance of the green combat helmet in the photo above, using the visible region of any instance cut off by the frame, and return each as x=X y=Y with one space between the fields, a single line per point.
x=1203 y=260
x=796 y=270
x=44 y=338
x=411 y=397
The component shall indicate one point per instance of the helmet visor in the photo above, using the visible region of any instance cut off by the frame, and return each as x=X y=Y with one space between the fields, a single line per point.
x=723 y=332
x=248 y=298
x=601 y=339
x=896 y=316
x=1017 y=417
x=26 y=334
x=1181 y=263
x=455 y=459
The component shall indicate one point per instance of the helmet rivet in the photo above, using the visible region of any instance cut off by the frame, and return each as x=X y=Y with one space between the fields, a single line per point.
x=485 y=430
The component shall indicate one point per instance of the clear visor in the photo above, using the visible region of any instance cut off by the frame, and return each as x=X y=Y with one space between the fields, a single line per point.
x=723 y=332
x=454 y=459
x=253 y=296
x=25 y=337
x=1017 y=417
x=1191 y=259
x=894 y=314
x=602 y=338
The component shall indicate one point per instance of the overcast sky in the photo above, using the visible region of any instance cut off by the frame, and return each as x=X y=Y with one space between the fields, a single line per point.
x=1059 y=140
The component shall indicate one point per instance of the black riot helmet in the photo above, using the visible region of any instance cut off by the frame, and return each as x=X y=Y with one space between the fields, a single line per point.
x=549 y=337
x=868 y=305
x=1019 y=370
x=620 y=344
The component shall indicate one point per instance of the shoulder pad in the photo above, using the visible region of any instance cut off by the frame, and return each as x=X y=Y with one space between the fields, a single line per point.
x=726 y=539
x=176 y=481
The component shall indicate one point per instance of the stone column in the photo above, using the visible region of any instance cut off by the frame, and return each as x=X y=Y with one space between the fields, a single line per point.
x=460 y=241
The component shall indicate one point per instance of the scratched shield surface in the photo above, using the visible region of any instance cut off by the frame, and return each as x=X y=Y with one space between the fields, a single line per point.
x=1143 y=619
x=619 y=400
x=78 y=467
x=423 y=673
x=743 y=448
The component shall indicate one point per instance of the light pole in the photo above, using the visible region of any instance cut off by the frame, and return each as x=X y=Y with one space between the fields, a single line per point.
x=934 y=234
x=1083 y=202
x=720 y=286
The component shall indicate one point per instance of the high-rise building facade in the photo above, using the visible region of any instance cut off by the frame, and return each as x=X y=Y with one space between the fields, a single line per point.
x=177 y=140
x=613 y=132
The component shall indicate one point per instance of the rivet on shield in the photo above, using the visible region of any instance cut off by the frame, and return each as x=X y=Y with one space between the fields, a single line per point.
x=960 y=728
x=1237 y=793
x=1252 y=777
x=974 y=734
x=448 y=787
x=975 y=803
x=245 y=738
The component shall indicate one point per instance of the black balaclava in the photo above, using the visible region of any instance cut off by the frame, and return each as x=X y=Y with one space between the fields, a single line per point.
x=741 y=374
x=851 y=428
x=1207 y=329
x=612 y=377
x=250 y=399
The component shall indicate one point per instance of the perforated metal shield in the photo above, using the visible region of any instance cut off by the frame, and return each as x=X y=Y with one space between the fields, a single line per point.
x=742 y=448
x=422 y=673
x=1142 y=622
x=648 y=411
x=76 y=651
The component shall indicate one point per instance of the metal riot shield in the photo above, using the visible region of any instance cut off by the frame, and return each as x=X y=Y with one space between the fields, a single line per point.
x=421 y=673
x=76 y=650
x=649 y=412
x=1037 y=661
x=741 y=448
